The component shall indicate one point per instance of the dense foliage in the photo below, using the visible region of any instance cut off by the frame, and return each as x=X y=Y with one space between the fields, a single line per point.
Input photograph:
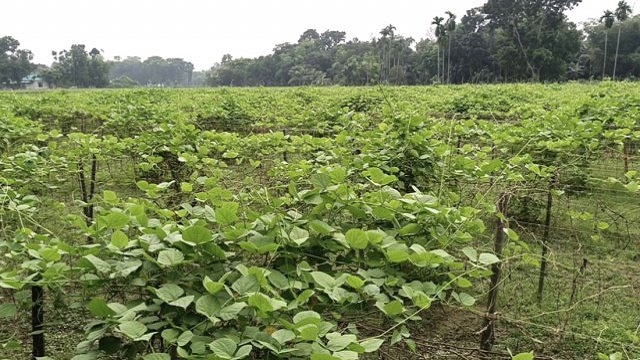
x=230 y=224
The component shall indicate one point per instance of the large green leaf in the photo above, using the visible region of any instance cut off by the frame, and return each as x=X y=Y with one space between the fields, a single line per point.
x=211 y=286
x=197 y=235
x=224 y=348
x=99 y=308
x=227 y=214
x=357 y=239
x=298 y=235
x=169 y=292
x=170 y=257
x=133 y=329
x=246 y=284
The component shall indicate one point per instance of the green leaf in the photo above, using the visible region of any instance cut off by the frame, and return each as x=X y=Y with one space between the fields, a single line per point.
x=260 y=302
x=100 y=265
x=231 y=312
x=466 y=299
x=50 y=254
x=378 y=177
x=157 y=356
x=321 y=181
x=110 y=196
x=321 y=227
x=633 y=186
x=309 y=332
x=211 y=286
x=488 y=259
x=170 y=335
x=283 y=336
x=197 y=235
x=323 y=280
x=119 y=239
x=8 y=310
x=512 y=235
x=243 y=352
x=355 y=282
x=372 y=345
x=132 y=329
x=208 y=306
x=398 y=253
x=246 y=284
x=185 y=338
x=339 y=342
x=357 y=239
x=375 y=236
x=183 y=302
x=323 y=357
x=116 y=220
x=224 y=348
x=410 y=229
x=227 y=214
x=471 y=253
x=170 y=257
x=615 y=356
x=169 y=292
x=523 y=356
x=278 y=280
x=99 y=308
x=186 y=187
x=394 y=308
x=299 y=236
x=306 y=317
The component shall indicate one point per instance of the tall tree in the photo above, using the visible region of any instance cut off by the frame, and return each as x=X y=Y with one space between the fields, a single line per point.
x=607 y=19
x=388 y=36
x=15 y=63
x=529 y=31
x=622 y=14
x=439 y=32
x=451 y=27
x=77 y=67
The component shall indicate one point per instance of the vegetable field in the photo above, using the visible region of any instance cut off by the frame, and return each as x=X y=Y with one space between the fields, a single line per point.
x=440 y=222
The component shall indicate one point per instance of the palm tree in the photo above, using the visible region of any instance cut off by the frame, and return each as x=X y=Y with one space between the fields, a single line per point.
x=389 y=30
x=437 y=21
x=622 y=14
x=451 y=27
x=608 y=19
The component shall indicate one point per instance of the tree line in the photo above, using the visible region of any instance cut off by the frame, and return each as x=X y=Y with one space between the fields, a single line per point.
x=501 y=41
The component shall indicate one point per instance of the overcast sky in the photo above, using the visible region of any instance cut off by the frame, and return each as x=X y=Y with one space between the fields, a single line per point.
x=201 y=31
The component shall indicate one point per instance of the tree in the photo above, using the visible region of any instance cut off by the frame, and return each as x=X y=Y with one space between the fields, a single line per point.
x=607 y=19
x=450 y=25
x=622 y=14
x=15 y=63
x=388 y=35
x=439 y=32
x=528 y=30
x=628 y=55
x=77 y=67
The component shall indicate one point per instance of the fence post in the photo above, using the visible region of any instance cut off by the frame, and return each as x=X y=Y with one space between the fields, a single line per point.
x=37 y=320
x=545 y=240
x=285 y=155
x=487 y=336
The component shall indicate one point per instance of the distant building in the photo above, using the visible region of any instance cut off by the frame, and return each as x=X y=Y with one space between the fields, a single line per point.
x=34 y=82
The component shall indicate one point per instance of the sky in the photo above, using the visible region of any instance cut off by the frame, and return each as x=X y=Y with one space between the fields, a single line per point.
x=202 y=31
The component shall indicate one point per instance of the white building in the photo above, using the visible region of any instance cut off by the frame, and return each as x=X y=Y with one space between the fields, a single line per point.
x=34 y=82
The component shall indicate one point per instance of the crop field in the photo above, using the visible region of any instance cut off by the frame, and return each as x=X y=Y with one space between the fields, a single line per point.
x=443 y=222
